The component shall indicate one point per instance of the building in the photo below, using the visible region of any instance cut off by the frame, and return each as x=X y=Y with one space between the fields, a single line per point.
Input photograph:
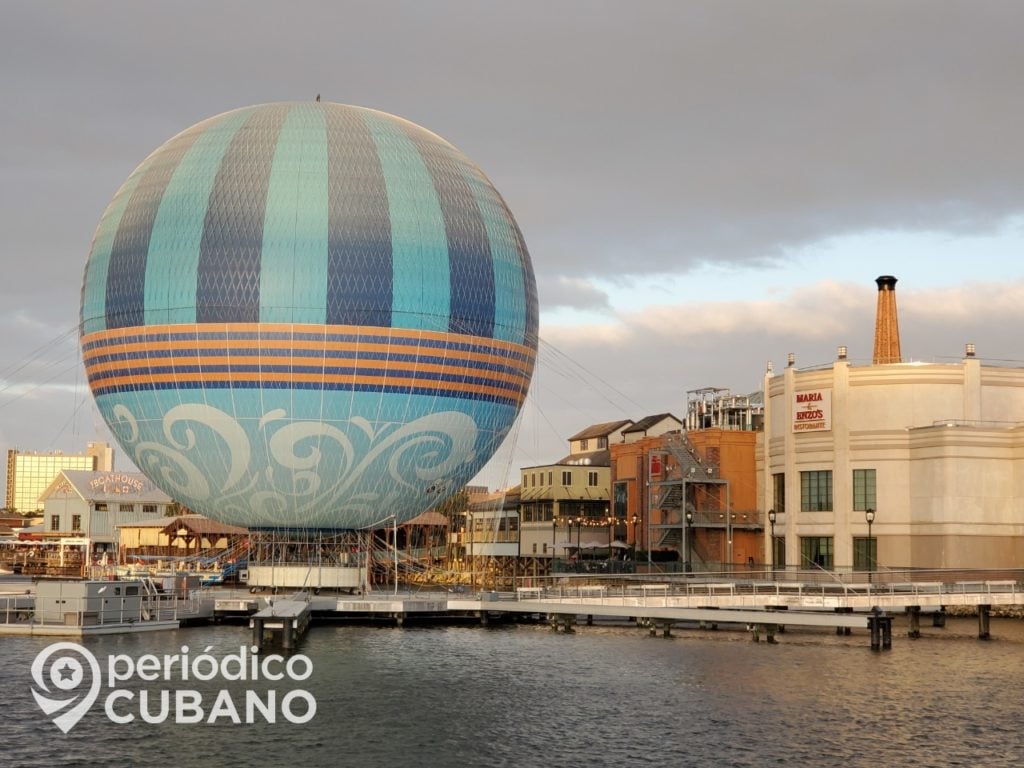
x=87 y=507
x=894 y=464
x=487 y=540
x=29 y=473
x=565 y=506
x=180 y=537
x=719 y=408
x=689 y=497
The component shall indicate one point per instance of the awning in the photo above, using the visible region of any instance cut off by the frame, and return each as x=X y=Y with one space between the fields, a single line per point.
x=429 y=517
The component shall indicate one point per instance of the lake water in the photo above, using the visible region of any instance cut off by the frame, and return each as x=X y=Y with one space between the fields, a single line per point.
x=605 y=696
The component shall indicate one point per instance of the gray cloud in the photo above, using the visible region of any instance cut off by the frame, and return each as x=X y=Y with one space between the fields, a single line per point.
x=681 y=132
x=630 y=139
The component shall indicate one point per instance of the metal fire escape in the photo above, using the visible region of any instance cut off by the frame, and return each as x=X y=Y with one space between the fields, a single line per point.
x=689 y=494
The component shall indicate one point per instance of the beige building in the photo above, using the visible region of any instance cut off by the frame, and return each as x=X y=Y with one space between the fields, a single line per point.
x=30 y=472
x=566 y=505
x=933 y=453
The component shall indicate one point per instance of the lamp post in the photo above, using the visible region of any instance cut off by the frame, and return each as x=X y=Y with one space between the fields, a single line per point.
x=470 y=550
x=634 y=520
x=771 y=543
x=688 y=544
x=394 y=522
x=578 y=522
x=869 y=515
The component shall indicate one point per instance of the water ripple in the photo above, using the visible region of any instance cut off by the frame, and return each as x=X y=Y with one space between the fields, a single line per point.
x=606 y=696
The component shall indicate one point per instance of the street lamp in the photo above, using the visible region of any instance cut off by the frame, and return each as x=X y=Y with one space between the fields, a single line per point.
x=688 y=543
x=771 y=544
x=634 y=520
x=869 y=515
x=470 y=550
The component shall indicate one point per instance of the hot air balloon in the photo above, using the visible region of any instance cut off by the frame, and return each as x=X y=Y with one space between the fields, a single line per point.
x=308 y=315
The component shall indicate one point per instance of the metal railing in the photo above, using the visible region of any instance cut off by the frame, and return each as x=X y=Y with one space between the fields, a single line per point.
x=737 y=584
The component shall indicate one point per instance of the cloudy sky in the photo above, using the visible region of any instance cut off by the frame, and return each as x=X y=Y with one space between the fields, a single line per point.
x=703 y=186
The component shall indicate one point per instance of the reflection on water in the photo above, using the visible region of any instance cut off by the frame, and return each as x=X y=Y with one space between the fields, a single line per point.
x=606 y=696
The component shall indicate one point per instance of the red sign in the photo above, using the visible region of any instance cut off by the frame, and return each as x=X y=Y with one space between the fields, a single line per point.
x=655 y=464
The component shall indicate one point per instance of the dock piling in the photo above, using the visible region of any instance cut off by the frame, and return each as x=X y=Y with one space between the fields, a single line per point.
x=880 y=625
x=914 y=617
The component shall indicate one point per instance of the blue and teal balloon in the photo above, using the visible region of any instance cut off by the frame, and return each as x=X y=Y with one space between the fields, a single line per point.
x=308 y=315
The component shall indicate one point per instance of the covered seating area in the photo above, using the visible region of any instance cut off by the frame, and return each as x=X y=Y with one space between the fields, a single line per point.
x=183 y=536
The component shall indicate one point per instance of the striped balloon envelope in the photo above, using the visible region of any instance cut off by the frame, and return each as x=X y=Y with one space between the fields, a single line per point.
x=308 y=315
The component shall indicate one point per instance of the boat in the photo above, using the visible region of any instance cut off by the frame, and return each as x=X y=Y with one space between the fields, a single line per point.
x=83 y=608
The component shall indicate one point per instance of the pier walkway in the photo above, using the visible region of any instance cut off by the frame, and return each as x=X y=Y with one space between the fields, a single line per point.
x=763 y=607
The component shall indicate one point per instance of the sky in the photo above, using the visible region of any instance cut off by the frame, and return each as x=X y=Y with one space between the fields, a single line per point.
x=703 y=186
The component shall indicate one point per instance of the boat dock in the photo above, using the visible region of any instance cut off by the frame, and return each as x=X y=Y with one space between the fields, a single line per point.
x=286 y=620
x=764 y=608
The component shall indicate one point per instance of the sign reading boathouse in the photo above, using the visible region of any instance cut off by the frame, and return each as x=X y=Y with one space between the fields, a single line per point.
x=812 y=410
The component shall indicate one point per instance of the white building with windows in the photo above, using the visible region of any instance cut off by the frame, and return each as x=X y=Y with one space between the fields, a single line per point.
x=87 y=506
x=934 y=451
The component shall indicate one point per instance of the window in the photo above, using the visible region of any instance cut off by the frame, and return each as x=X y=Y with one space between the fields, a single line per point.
x=566 y=477
x=865 y=553
x=620 y=499
x=816 y=491
x=592 y=479
x=584 y=444
x=54 y=522
x=535 y=547
x=149 y=509
x=76 y=522
x=550 y=475
x=779 y=492
x=127 y=508
x=602 y=443
x=864 y=490
x=545 y=550
x=533 y=479
x=816 y=551
x=100 y=507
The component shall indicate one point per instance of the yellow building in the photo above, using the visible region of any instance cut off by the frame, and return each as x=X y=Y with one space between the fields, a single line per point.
x=29 y=473
x=565 y=506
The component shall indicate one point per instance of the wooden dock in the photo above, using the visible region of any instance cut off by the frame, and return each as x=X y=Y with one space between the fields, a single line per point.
x=764 y=609
x=283 y=620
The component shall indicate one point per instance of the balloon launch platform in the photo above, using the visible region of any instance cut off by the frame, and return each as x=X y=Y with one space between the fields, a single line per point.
x=765 y=608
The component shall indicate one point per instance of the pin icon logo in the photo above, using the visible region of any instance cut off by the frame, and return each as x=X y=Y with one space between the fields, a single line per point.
x=67 y=673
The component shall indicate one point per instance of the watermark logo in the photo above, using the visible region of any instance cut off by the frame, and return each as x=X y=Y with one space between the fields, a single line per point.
x=67 y=673
x=63 y=671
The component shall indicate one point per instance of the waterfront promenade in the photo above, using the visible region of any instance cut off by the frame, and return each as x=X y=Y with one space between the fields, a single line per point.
x=764 y=608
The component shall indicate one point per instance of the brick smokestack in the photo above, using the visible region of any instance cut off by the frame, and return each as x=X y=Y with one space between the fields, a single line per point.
x=887 y=329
